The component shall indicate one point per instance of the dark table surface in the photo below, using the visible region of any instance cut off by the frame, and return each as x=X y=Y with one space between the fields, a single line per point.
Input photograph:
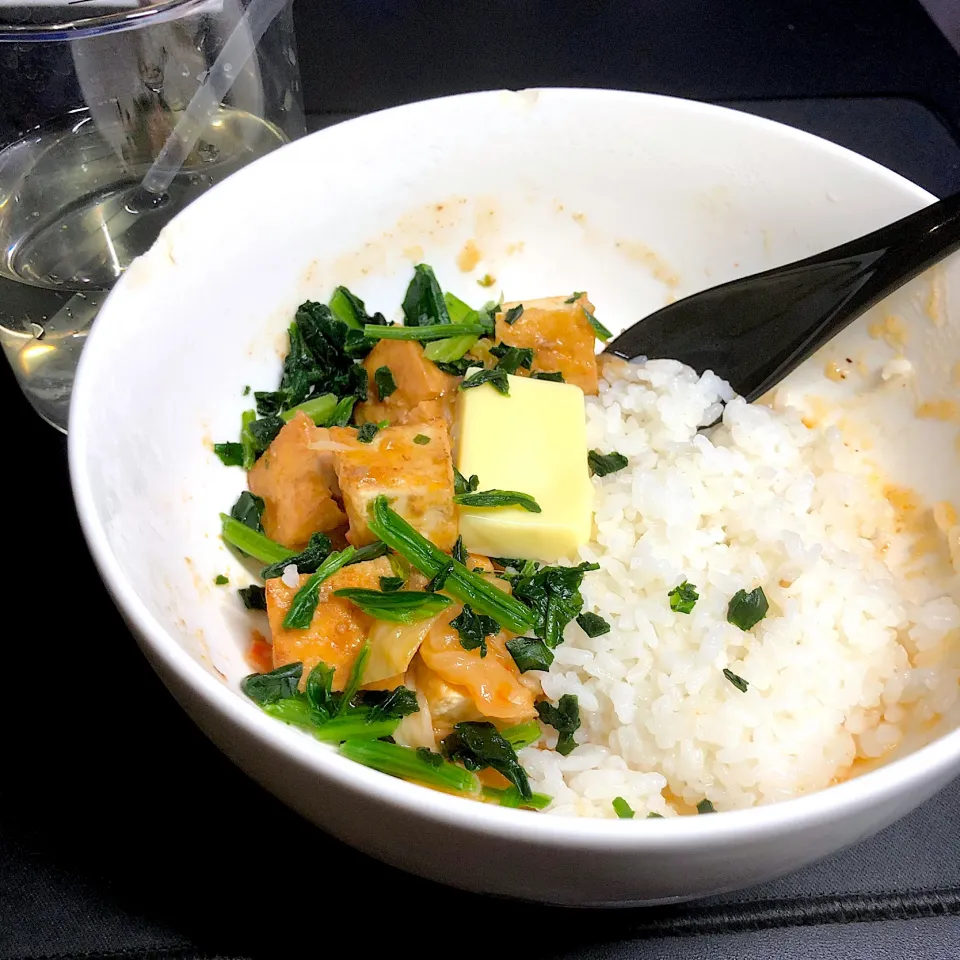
x=124 y=833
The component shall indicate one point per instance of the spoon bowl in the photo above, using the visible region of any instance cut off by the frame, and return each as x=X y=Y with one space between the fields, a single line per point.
x=755 y=330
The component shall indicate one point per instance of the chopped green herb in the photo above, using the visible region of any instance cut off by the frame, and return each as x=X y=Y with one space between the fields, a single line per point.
x=421 y=439
x=367 y=432
x=254 y=597
x=746 y=610
x=264 y=688
x=655 y=816
x=555 y=375
x=496 y=378
x=705 y=806
x=459 y=552
x=220 y=579
x=355 y=677
x=246 y=441
x=393 y=704
x=440 y=578
x=370 y=552
x=522 y=734
x=599 y=329
x=320 y=690
x=316 y=551
x=593 y=625
x=386 y=385
x=564 y=718
x=478 y=745
x=684 y=597
x=342 y=413
x=391 y=584
x=530 y=653
x=230 y=454
x=474 y=628
x=409 y=764
x=513 y=315
x=348 y=308
x=246 y=390
x=304 y=604
x=510 y=797
x=601 y=464
x=429 y=559
x=512 y=359
x=498 y=498
x=406 y=606
x=486 y=281
x=623 y=809
x=577 y=294
x=462 y=485
x=738 y=682
x=423 y=303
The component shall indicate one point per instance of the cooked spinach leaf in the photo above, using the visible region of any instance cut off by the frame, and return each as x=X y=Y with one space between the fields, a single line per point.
x=254 y=597
x=220 y=580
x=404 y=606
x=386 y=385
x=530 y=653
x=474 y=628
x=513 y=315
x=458 y=368
x=410 y=764
x=392 y=704
x=496 y=378
x=249 y=541
x=264 y=688
x=370 y=552
x=348 y=308
x=564 y=718
x=575 y=296
x=355 y=678
x=498 y=498
x=421 y=439
x=304 y=605
x=512 y=359
x=478 y=745
x=314 y=553
x=320 y=690
x=462 y=485
x=746 y=610
x=246 y=441
x=423 y=303
x=264 y=431
x=248 y=510
x=440 y=577
x=555 y=375
x=459 y=552
x=367 y=432
x=268 y=404
x=342 y=412
x=428 y=756
x=601 y=464
x=705 y=806
x=553 y=594
x=230 y=454
x=593 y=625
x=391 y=584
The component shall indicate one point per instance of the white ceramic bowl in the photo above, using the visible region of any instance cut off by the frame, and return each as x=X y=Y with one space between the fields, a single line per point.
x=634 y=198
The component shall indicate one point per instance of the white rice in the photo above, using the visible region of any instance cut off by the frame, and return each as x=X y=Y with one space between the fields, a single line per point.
x=762 y=500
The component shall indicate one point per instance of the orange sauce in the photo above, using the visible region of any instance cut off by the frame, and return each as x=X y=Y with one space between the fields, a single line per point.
x=259 y=653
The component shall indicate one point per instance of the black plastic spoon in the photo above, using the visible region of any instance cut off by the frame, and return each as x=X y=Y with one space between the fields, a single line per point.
x=755 y=330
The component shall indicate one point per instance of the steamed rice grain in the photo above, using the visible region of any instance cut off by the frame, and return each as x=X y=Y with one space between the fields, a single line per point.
x=762 y=500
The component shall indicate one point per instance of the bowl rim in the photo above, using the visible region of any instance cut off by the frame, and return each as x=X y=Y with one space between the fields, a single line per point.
x=723 y=829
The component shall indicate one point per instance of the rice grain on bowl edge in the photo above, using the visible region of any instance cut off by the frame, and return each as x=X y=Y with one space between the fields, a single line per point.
x=762 y=500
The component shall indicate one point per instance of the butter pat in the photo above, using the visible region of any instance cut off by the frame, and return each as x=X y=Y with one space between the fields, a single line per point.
x=533 y=441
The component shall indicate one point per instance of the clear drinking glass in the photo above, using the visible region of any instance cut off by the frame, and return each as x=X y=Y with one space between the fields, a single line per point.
x=98 y=149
